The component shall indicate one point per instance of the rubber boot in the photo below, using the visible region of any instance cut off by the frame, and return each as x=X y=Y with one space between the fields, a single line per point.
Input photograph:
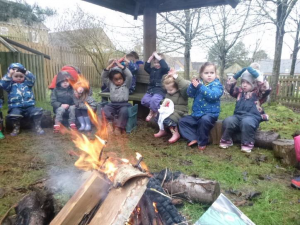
x=175 y=135
x=37 y=123
x=82 y=123
x=16 y=126
x=160 y=133
x=88 y=125
x=1 y=135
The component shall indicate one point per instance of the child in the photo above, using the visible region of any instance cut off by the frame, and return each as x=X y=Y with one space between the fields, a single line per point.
x=1 y=120
x=176 y=88
x=248 y=112
x=155 y=92
x=72 y=70
x=118 y=79
x=18 y=82
x=62 y=101
x=133 y=63
x=82 y=96
x=206 y=107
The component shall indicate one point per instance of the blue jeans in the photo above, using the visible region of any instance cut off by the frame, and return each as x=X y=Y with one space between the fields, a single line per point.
x=197 y=128
x=247 y=125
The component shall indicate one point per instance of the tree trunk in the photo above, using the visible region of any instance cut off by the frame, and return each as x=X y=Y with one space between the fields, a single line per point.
x=187 y=45
x=222 y=69
x=295 y=51
x=276 y=63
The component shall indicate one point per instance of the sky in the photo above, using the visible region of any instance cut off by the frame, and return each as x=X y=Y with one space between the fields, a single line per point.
x=120 y=20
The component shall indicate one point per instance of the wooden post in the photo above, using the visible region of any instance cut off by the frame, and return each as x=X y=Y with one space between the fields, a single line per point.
x=149 y=29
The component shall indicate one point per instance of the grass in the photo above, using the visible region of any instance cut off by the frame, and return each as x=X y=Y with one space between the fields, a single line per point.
x=27 y=158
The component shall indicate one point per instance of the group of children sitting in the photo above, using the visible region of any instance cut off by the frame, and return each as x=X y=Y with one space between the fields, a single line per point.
x=166 y=97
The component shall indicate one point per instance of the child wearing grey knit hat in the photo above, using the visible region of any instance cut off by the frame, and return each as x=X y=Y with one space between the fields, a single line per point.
x=248 y=112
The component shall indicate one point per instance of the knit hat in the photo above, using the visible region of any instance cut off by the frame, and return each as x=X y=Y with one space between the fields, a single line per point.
x=249 y=78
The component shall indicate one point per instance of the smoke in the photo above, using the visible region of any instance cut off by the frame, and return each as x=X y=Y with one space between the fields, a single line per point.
x=67 y=182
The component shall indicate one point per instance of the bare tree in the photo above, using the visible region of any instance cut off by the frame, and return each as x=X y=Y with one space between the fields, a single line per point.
x=180 y=30
x=86 y=32
x=295 y=18
x=228 y=25
x=277 y=11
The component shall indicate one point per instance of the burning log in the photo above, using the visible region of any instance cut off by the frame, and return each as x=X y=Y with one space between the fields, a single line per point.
x=84 y=200
x=35 y=208
x=191 y=188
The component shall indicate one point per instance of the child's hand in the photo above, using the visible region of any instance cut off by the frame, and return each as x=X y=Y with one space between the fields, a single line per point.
x=150 y=58
x=172 y=73
x=156 y=56
x=195 y=82
x=65 y=106
x=11 y=72
x=110 y=65
x=119 y=64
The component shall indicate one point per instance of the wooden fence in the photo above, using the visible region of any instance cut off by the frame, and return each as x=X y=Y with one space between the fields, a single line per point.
x=33 y=63
x=289 y=91
x=61 y=56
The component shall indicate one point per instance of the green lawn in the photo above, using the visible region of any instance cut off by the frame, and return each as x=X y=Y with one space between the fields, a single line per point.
x=27 y=158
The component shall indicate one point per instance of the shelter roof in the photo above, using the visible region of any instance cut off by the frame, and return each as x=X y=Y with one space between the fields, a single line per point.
x=136 y=7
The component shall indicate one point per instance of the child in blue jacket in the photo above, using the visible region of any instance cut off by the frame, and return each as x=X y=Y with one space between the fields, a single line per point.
x=18 y=82
x=206 y=107
x=1 y=120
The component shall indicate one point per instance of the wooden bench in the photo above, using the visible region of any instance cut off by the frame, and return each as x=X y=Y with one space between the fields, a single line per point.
x=142 y=81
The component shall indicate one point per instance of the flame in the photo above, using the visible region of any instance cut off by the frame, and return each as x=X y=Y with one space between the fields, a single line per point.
x=125 y=160
x=154 y=205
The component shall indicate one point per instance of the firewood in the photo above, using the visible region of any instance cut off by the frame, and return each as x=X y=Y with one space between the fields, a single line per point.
x=94 y=189
x=35 y=208
x=120 y=202
x=284 y=150
x=195 y=189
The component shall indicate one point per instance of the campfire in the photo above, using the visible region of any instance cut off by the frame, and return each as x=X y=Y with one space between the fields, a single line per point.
x=119 y=191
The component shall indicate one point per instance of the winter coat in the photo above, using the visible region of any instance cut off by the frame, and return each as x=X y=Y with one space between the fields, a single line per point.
x=155 y=84
x=206 y=98
x=61 y=95
x=180 y=99
x=249 y=103
x=19 y=94
x=80 y=103
x=118 y=93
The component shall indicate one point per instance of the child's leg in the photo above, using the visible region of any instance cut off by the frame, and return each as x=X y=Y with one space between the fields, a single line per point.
x=229 y=126
x=72 y=117
x=188 y=128
x=109 y=112
x=122 y=118
x=79 y=116
x=36 y=114
x=248 y=128
x=146 y=100
x=155 y=102
x=59 y=112
x=88 y=125
x=205 y=124
x=15 y=115
x=173 y=126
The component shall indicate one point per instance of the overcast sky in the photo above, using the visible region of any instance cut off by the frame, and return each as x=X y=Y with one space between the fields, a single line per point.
x=117 y=19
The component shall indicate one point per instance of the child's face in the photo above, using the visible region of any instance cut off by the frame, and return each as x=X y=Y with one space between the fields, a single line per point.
x=209 y=74
x=118 y=79
x=246 y=86
x=65 y=84
x=156 y=64
x=170 y=88
x=18 y=77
